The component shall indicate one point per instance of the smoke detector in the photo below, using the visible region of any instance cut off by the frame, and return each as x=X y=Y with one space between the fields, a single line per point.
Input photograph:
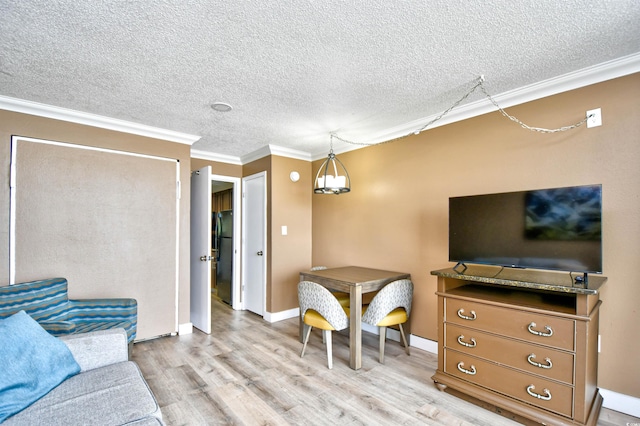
x=221 y=107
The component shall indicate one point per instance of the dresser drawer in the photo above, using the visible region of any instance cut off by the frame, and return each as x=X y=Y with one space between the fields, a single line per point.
x=532 y=327
x=534 y=390
x=540 y=360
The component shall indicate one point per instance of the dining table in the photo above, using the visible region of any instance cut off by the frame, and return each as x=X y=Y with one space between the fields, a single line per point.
x=356 y=281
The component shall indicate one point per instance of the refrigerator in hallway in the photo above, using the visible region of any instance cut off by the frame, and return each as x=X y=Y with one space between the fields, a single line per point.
x=224 y=266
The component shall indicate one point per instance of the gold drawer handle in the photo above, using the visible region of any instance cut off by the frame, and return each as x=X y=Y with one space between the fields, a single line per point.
x=531 y=358
x=549 y=332
x=545 y=397
x=465 y=371
x=464 y=317
x=468 y=345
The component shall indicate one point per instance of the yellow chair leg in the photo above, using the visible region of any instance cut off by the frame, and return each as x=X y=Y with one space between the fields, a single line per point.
x=383 y=337
x=306 y=339
x=404 y=340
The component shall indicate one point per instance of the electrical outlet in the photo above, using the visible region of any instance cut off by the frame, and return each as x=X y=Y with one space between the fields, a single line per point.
x=595 y=118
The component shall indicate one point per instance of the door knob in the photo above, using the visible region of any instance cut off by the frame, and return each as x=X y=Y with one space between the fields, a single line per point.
x=259 y=253
x=205 y=258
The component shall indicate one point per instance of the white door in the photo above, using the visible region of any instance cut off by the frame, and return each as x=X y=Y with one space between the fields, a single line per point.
x=255 y=236
x=201 y=249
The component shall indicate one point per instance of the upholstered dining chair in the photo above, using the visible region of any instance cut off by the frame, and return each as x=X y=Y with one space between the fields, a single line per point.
x=342 y=297
x=391 y=306
x=319 y=308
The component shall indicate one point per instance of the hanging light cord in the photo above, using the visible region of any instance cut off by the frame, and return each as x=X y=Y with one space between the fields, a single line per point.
x=525 y=126
x=479 y=84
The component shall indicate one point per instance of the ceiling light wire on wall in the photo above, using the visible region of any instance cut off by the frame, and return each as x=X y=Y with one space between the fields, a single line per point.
x=525 y=126
x=339 y=182
x=479 y=84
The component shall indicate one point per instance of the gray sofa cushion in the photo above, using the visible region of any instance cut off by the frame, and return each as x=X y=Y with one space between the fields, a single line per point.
x=111 y=395
x=98 y=348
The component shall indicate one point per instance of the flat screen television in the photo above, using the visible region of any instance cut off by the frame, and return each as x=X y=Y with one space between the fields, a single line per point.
x=551 y=229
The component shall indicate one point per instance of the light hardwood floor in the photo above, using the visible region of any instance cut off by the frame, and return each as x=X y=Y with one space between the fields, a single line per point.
x=249 y=372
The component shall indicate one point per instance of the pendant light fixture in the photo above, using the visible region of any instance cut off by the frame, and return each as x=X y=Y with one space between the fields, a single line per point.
x=332 y=176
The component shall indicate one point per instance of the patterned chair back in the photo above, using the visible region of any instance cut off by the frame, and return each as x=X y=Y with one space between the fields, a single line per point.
x=44 y=300
x=314 y=296
x=47 y=302
x=397 y=294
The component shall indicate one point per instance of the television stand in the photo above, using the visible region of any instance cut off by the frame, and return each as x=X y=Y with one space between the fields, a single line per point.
x=521 y=341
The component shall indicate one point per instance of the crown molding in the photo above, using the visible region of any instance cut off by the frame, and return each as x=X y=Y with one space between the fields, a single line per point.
x=571 y=81
x=94 y=120
x=212 y=156
x=290 y=153
x=275 y=150
x=265 y=151
x=253 y=156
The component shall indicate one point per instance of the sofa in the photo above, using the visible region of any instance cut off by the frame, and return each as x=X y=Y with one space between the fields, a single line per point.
x=98 y=385
x=47 y=302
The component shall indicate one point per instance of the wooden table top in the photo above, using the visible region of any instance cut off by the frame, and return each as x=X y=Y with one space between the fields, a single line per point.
x=356 y=275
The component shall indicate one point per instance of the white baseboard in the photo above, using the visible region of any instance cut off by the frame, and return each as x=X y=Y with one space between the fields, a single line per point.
x=619 y=402
x=374 y=330
x=414 y=341
x=392 y=333
x=424 y=344
x=185 y=328
x=282 y=315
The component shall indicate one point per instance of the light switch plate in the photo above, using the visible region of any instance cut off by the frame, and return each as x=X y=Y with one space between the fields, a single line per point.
x=284 y=229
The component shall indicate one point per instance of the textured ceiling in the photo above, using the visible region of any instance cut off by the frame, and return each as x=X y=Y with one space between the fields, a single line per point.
x=295 y=70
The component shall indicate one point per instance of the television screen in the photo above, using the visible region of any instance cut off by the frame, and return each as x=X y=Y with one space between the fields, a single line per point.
x=555 y=229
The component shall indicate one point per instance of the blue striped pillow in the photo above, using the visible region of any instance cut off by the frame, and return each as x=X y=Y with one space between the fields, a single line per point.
x=33 y=361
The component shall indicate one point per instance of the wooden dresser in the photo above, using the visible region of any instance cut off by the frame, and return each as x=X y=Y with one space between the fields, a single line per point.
x=522 y=341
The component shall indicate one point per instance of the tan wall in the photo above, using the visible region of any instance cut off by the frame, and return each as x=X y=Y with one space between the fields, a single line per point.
x=396 y=216
x=291 y=253
x=288 y=203
x=42 y=128
x=222 y=169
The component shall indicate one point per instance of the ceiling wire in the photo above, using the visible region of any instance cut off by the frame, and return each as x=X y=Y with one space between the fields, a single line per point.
x=479 y=84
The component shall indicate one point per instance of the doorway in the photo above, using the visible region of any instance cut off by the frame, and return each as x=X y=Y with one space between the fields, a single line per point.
x=203 y=256
x=222 y=237
x=248 y=277
x=225 y=240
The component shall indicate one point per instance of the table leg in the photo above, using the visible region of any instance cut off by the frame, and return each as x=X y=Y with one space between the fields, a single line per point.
x=355 y=327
